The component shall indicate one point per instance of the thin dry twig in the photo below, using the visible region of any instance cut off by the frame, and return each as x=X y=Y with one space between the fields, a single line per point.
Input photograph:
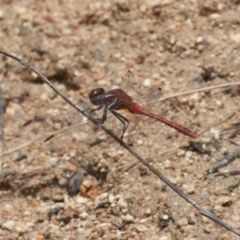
x=230 y=131
x=224 y=161
x=199 y=90
x=202 y=211
x=181 y=112
x=227 y=174
x=1 y=126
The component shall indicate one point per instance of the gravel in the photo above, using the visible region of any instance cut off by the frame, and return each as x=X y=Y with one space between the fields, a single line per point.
x=80 y=45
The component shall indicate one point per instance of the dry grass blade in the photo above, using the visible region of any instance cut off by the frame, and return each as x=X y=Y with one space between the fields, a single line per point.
x=200 y=90
x=1 y=126
x=219 y=122
x=65 y=126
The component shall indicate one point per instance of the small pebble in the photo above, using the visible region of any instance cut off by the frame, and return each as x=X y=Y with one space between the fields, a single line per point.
x=199 y=39
x=141 y=228
x=167 y=164
x=182 y=222
x=148 y=212
x=81 y=200
x=62 y=181
x=219 y=103
x=181 y=153
x=214 y=16
x=111 y=198
x=44 y=96
x=87 y=183
x=224 y=201
x=207 y=230
x=190 y=189
x=188 y=154
x=139 y=142
x=143 y=8
x=165 y=238
x=128 y=218
x=156 y=76
x=147 y=82
x=101 y=199
x=117 y=55
x=165 y=217
x=57 y=197
x=235 y=37
x=10 y=236
x=121 y=202
x=1 y=14
x=119 y=152
x=9 y=225
x=8 y=207
x=20 y=229
x=27 y=213
x=84 y=215
x=34 y=75
x=39 y=237
x=29 y=225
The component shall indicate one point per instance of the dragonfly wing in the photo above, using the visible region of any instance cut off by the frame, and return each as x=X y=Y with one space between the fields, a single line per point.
x=128 y=85
x=144 y=97
x=60 y=131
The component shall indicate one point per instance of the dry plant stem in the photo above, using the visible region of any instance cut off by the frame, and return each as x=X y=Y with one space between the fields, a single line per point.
x=181 y=112
x=1 y=127
x=202 y=211
x=224 y=161
x=230 y=131
x=227 y=174
x=200 y=90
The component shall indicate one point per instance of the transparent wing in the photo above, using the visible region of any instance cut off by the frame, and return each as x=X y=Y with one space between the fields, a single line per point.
x=57 y=124
x=128 y=85
x=59 y=131
x=142 y=96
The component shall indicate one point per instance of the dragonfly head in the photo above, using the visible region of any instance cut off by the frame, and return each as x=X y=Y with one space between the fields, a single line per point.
x=96 y=96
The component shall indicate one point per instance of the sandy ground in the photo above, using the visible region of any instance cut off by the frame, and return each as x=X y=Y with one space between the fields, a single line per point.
x=79 y=45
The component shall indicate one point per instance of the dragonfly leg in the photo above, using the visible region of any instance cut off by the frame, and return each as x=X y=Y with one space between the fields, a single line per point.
x=100 y=120
x=104 y=116
x=90 y=110
x=124 y=121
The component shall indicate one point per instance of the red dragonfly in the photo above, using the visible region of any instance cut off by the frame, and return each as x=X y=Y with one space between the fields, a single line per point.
x=117 y=99
x=67 y=124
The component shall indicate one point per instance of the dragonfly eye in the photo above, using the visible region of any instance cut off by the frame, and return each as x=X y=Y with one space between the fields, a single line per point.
x=96 y=92
x=95 y=95
x=100 y=91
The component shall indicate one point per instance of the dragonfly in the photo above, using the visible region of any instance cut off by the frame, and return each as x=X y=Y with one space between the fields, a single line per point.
x=68 y=124
x=118 y=99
